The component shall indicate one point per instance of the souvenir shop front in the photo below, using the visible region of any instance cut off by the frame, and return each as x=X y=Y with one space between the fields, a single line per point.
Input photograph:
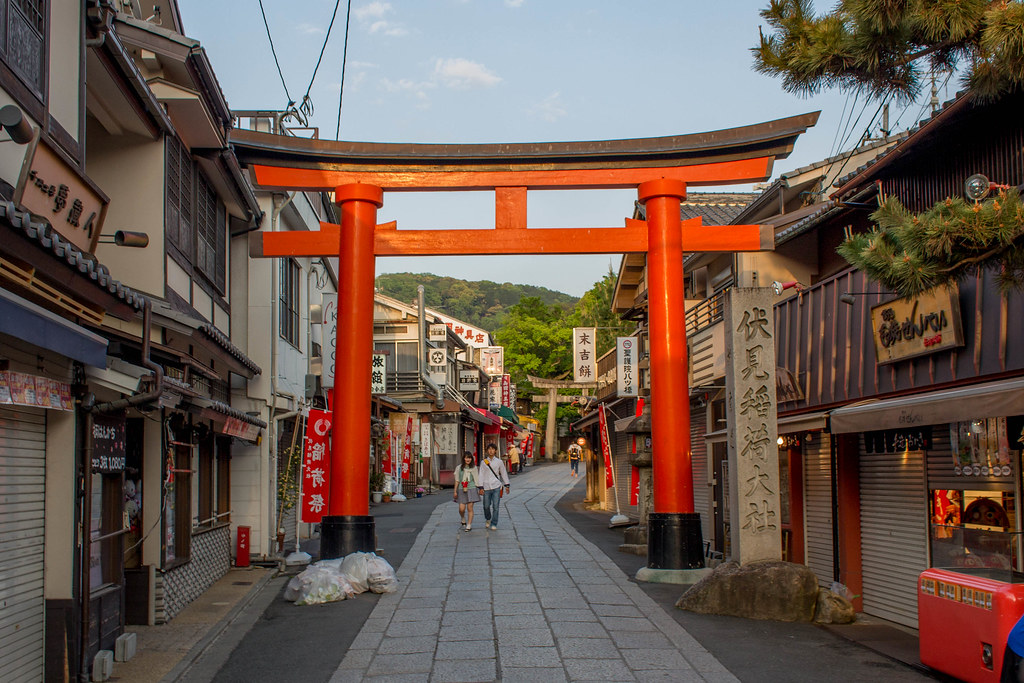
x=939 y=481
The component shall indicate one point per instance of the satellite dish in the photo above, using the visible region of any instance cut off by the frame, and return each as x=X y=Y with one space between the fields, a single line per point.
x=976 y=187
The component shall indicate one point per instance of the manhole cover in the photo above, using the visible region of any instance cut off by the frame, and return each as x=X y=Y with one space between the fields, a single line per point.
x=241 y=583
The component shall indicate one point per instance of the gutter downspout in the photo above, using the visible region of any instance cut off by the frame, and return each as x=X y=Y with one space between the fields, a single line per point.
x=275 y=217
x=421 y=324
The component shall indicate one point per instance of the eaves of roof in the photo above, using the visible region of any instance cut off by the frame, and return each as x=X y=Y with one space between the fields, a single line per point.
x=225 y=343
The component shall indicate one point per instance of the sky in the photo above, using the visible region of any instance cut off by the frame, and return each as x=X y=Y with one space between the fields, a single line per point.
x=484 y=71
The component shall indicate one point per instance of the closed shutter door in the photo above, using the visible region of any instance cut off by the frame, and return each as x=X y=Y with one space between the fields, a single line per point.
x=699 y=462
x=818 y=507
x=622 y=447
x=22 y=489
x=894 y=533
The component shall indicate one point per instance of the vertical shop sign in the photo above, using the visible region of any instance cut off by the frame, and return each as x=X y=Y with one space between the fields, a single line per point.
x=584 y=354
x=625 y=365
x=606 y=447
x=506 y=390
x=329 y=304
x=407 y=450
x=378 y=375
x=316 y=466
x=752 y=410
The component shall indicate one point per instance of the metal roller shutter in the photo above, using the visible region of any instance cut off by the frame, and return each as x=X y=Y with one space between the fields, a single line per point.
x=621 y=446
x=894 y=532
x=818 y=507
x=699 y=460
x=22 y=489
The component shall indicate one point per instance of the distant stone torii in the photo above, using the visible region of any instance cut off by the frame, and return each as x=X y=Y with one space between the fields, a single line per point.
x=659 y=168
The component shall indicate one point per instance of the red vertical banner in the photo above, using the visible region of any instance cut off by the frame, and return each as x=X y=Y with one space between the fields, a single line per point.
x=509 y=439
x=606 y=447
x=316 y=471
x=407 y=450
x=639 y=412
x=385 y=465
x=529 y=446
x=506 y=390
x=634 y=486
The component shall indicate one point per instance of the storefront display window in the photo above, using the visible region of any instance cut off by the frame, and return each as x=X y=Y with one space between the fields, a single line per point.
x=974 y=529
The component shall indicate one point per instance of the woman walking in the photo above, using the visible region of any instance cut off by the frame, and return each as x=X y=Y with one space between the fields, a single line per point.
x=467 y=489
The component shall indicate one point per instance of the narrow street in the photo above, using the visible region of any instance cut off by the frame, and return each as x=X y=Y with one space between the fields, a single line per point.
x=534 y=600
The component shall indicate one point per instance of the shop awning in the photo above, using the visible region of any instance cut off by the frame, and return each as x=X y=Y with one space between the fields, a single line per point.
x=480 y=415
x=992 y=399
x=36 y=325
x=508 y=414
x=806 y=422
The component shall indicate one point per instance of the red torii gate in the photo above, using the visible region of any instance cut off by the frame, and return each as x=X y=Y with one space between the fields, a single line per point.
x=660 y=169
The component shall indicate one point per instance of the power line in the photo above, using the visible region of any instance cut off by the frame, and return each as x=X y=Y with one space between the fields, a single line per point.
x=307 y=103
x=344 y=59
x=274 y=52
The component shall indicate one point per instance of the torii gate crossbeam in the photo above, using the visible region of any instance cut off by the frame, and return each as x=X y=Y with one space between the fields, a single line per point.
x=660 y=169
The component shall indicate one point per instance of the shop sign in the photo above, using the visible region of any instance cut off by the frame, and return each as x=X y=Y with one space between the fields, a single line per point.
x=471 y=336
x=506 y=390
x=584 y=354
x=469 y=380
x=239 y=429
x=898 y=440
x=492 y=360
x=494 y=396
x=786 y=386
x=378 y=376
x=446 y=438
x=929 y=323
x=625 y=365
x=606 y=447
x=52 y=188
x=425 y=440
x=19 y=388
x=437 y=332
x=108 y=443
x=329 y=304
x=316 y=466
x=513 y=394
x=980 y=448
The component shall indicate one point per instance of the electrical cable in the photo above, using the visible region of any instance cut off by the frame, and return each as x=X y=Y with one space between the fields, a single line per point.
x=344 y=59
x=307 y=104
x=266 y=25
x=835 y=138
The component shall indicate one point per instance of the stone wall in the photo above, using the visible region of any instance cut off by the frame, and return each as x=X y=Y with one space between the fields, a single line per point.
x=210 y=560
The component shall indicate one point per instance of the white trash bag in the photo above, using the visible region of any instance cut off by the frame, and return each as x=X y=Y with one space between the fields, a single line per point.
x=380 y=575
x=353 y=568
x=317 y=584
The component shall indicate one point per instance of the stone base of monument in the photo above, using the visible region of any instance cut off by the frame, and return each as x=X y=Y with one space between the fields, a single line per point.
x=634 y=549
x=779 y=591
x=681 y=577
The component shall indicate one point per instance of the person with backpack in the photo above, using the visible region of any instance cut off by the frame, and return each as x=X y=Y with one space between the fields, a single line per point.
x=494 y=482
x=575 y=453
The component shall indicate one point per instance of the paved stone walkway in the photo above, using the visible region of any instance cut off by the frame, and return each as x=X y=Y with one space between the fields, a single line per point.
x=530 y=601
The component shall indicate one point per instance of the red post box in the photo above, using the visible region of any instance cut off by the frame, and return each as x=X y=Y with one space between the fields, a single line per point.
x=964 y=617
x=242 y=548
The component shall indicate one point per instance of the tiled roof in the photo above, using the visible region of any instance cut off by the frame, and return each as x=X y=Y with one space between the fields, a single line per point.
x=222 y=339
x=67 y=253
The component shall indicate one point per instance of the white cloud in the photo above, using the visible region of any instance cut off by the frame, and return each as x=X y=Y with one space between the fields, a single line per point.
x=550 y=108
x=463 y=74
x=310 y=29
x=513 y=3
x=374 y=10
x=372 y=17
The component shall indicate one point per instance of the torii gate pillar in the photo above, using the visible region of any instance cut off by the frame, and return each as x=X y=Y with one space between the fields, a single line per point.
x=673 y=533
x=349 y=527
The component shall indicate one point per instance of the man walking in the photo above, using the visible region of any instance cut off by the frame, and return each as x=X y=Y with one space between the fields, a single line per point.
x=493 y=477
x=575 y=453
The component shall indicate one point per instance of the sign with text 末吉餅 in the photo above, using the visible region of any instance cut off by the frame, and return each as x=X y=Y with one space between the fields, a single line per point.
x=926 y=324
x=52 y=188
x=584 y=354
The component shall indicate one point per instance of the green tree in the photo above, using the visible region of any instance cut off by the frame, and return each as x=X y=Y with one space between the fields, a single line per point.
x=594 y=309
x=886 y=47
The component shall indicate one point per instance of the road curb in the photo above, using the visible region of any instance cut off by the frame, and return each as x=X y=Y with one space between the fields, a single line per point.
x=216 y=630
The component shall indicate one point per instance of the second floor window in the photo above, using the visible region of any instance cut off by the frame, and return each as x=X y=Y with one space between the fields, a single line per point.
x=23 y=41
x=289 y=301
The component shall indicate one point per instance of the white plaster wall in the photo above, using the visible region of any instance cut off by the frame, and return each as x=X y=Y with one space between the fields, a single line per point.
x=202 y=302
x=249 y=486
x=60 y=505
x=178 y=280
x=65 y=60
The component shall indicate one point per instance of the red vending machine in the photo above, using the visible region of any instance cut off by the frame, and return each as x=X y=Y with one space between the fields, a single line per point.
x=964 y=617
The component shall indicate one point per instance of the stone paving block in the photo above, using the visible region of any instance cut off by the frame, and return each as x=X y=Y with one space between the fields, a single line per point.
x=348 y=676
x=357 y=659
x=579 y=629
x=367 y=639
x=511 y=608
x=466 y=649
x=558 y=614
x=520 y=621
x=609 y=598
x=407 y=645
x=526 y=637
x=531 y=674
x=376 y=624
x=704 y=662
x=606 y=610
x=416 y=614
x=587 y=648
x=627 y=624
x=640 y=639
x=644 y=658
x=420 y=662
x=461 y=671
x=466 y=618
x=518 y=595
x=423 y=602
x=398 y=678
x=520 y=655
x=403 y=629
x=655 y=676
x=482 y=588
x=570 y=601
x=598 y=670
x=466 y=632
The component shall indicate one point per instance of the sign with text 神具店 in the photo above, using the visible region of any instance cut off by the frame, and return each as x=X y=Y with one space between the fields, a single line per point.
x=584 y=354
x=929 y=323
x=625 y=362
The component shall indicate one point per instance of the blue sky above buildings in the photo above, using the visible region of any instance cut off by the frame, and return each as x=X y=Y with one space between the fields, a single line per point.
x=472 y=71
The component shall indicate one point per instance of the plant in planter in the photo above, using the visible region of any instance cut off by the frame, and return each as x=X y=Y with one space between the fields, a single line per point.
x=420 y=491
x=377 y=481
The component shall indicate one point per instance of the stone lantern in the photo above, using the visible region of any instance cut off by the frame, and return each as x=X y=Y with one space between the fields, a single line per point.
x=635 y=537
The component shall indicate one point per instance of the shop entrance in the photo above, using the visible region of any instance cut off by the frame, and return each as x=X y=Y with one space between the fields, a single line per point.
x=659 y=168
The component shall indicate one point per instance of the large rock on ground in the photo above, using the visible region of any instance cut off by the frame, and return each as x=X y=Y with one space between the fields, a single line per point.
x=780 y=591
x=833 y=609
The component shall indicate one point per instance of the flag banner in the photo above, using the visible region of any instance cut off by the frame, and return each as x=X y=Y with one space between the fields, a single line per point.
x=407 y=450
x=606 y=447
x=634 y=486
x=316 y=466
x=385 y=465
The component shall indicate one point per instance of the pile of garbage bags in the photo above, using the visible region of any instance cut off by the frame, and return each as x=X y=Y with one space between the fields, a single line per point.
x=340 y=579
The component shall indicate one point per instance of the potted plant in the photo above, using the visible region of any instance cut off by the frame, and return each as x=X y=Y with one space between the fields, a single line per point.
x=377 y=480
x=420 y=491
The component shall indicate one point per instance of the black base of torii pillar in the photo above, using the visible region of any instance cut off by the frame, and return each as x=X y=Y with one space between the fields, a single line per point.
x=341 y=535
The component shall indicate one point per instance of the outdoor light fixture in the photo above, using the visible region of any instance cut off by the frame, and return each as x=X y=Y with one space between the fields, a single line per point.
x=847 y=298
x=17 y=126
x=780 y=287
x=128 y=238
x=978 y=186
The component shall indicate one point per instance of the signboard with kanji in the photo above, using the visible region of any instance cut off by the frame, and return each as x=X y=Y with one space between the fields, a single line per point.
x=625 y=366
x=108 y=443
x=316 y=466
x=584 y=354
x=437 y=332
x=378 y=376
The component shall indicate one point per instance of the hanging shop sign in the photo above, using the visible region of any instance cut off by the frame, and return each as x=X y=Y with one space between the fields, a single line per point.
x=980 y=448
x=494 y=395
x=929 y=323
x=506 y=390
x=472 y=337
x=19 y=388
x=492 y=360
x=437 y=332
x=898 y=440
x=378 y=376
x=446 y=438
x=329 y=304
x=625 y=362
x=316 y=466
x=108 y=443
x=469 y=380
x=232 y=426
x=52 y=188
x=584 y=354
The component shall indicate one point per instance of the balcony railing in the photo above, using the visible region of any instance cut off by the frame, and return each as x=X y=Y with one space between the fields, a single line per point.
x=706 y=313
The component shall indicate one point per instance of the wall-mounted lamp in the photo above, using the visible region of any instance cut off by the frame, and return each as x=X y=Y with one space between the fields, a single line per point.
x=127 y=238
x=849 y=298
x=978 y=186
x=17 y=126
x=780 y=287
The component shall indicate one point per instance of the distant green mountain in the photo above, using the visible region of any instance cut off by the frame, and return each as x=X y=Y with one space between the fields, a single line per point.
x=481 y=302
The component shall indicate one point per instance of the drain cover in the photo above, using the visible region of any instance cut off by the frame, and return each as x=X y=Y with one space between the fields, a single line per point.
x=241 y=583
